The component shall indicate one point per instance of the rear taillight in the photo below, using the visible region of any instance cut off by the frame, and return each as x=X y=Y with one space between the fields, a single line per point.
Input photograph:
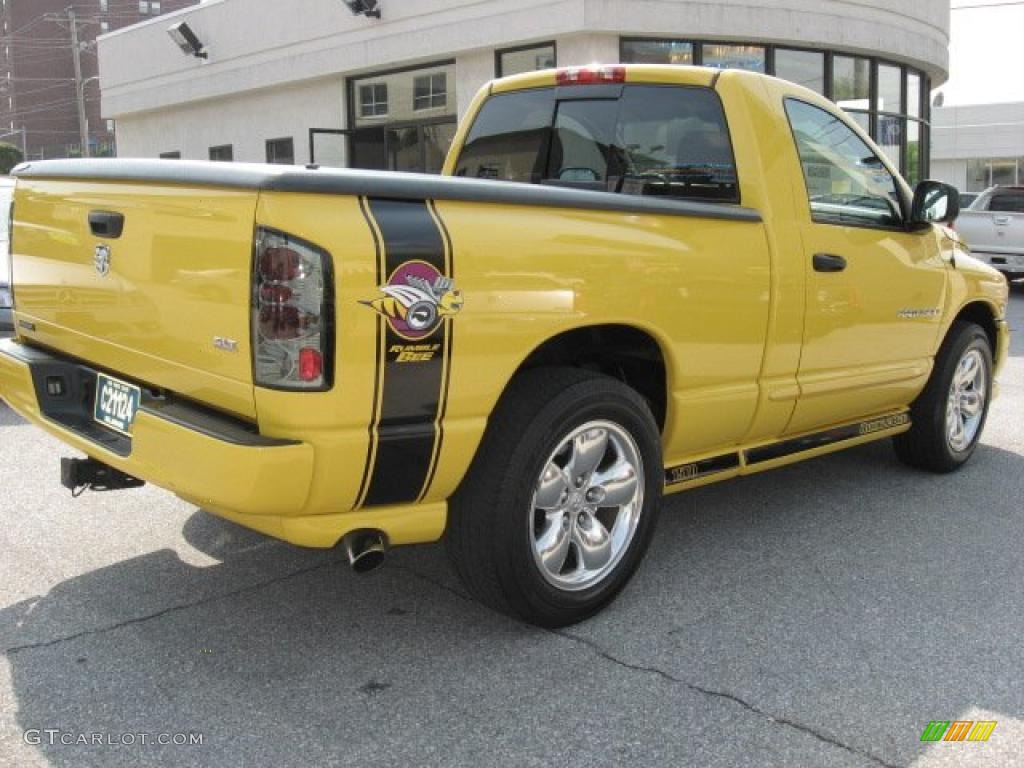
x=590 y=75
x=292 y=317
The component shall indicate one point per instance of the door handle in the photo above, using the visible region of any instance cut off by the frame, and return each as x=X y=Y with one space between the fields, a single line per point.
x=1001 y=220
x=106 y=223
x=828 y=262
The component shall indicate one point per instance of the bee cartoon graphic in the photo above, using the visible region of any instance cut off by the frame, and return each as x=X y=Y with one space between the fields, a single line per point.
x=416 y=299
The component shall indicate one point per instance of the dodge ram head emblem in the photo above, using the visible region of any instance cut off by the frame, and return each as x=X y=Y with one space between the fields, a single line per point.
x=101 y=260
x=416 y=299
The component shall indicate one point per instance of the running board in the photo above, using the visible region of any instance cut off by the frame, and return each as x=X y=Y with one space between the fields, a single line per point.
x=791 y=449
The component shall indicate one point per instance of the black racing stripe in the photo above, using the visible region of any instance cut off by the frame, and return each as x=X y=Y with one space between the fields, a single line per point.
x=372 y=427
x=684 y=473
x=409 y=233
x=411 y=391
x=800 y=444
x=450 y=327
x=447 y=240
x=827 y=437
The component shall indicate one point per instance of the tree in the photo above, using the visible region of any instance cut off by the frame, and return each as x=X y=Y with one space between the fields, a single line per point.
x=10 y=156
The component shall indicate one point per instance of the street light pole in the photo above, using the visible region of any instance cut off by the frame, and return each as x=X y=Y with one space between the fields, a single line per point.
x=86 y=152
x=76 y=53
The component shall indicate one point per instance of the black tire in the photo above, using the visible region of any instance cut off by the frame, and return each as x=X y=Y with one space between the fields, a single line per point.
x=489 y=537
x=925 y=445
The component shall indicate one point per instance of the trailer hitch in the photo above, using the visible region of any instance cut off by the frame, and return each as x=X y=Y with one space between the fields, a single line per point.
x=80 y=475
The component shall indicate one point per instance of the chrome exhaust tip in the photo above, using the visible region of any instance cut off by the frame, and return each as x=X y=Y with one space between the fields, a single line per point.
x=365 y=549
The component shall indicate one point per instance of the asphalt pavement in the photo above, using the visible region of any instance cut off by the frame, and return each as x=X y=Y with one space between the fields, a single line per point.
x=818 y=615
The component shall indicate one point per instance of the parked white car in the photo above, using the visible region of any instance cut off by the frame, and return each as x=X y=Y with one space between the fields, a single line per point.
x=993 y=228
x=6 y=194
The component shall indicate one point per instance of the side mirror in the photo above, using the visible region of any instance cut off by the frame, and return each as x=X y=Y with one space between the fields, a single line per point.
x=934 y=201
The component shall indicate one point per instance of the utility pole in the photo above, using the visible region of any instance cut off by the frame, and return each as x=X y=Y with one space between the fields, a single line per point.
x=76 y=53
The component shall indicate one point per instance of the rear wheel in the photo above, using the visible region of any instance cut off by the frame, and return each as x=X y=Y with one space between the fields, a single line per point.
x=950 y=413
x=561 y=501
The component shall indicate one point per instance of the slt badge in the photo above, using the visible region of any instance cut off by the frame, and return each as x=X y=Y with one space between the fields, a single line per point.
x=416 y=300
x=101 y=260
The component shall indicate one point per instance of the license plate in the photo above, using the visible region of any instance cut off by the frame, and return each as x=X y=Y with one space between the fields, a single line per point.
x=116 y=403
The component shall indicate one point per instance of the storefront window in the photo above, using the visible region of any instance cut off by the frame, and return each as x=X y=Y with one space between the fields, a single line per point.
x=657 y=52
x=890 y=80
x=851 y=82
x=373 y=100
x=984 y=172
x=913 y=174
x=749 y=57
x=430 y=91
x=913 y=94
x=281 y=151
x=1004 y=173
x=890 y=137
x=402 y=120
x=517 y=61
x=806 y=68
x=403 y=96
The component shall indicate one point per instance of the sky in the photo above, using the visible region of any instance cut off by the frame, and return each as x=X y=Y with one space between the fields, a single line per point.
x=986 y=52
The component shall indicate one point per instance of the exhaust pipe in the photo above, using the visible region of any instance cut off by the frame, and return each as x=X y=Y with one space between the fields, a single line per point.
x=365 y=549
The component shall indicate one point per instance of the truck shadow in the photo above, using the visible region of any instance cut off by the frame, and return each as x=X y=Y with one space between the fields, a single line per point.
x=9 y=418
x=847 y=594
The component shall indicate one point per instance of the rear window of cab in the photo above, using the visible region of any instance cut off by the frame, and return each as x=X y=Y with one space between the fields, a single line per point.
x=642 y=140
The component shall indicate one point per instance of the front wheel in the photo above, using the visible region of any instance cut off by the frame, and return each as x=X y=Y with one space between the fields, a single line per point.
x=949 y=415
x=561 y=501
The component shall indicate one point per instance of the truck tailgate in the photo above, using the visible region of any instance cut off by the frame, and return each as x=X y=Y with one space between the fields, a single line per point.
x=165 y=303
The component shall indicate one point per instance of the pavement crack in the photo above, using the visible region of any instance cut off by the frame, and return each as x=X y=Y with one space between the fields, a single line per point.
x=710 y=692
x=435 y=582
x=248 y=588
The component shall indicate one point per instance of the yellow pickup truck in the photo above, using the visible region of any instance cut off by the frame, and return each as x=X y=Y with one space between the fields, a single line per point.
x=629 y=281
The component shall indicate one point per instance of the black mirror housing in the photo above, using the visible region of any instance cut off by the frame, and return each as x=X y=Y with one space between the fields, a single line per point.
x=934 y=201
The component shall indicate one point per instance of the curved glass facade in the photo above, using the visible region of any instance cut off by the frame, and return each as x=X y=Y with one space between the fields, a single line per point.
x=888 y=100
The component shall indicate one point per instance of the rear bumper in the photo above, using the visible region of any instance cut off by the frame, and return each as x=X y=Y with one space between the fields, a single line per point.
x=210 y=460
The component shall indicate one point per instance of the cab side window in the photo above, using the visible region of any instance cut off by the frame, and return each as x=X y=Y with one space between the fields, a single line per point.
x=674 y=141
x=661 y=140
x=1007 y=201
x=508 y=140
x=846 y=181
x=582 y=143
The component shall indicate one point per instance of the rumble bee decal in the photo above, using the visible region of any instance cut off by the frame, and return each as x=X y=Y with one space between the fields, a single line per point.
x=416 y=300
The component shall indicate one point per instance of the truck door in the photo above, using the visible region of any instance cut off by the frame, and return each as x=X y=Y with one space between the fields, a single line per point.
x=874 y=290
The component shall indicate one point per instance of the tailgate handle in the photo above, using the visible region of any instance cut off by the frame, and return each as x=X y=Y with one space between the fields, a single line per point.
x=106 y=223
x=828 y=262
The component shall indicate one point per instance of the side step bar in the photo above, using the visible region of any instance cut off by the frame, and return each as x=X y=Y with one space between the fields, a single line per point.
x=789 y=448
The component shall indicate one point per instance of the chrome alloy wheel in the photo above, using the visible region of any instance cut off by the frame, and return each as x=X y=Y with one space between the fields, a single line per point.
x=965 y=405
x=586 y=505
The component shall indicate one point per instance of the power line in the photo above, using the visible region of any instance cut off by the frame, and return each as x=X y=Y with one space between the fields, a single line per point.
x=987 y=5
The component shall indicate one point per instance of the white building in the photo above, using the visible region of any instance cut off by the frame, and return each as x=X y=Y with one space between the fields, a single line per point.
x=306 y=80
x=978 y=133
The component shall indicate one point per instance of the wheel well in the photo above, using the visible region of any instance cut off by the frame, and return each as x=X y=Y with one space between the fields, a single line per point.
x=621 y=351
x=980 y=313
